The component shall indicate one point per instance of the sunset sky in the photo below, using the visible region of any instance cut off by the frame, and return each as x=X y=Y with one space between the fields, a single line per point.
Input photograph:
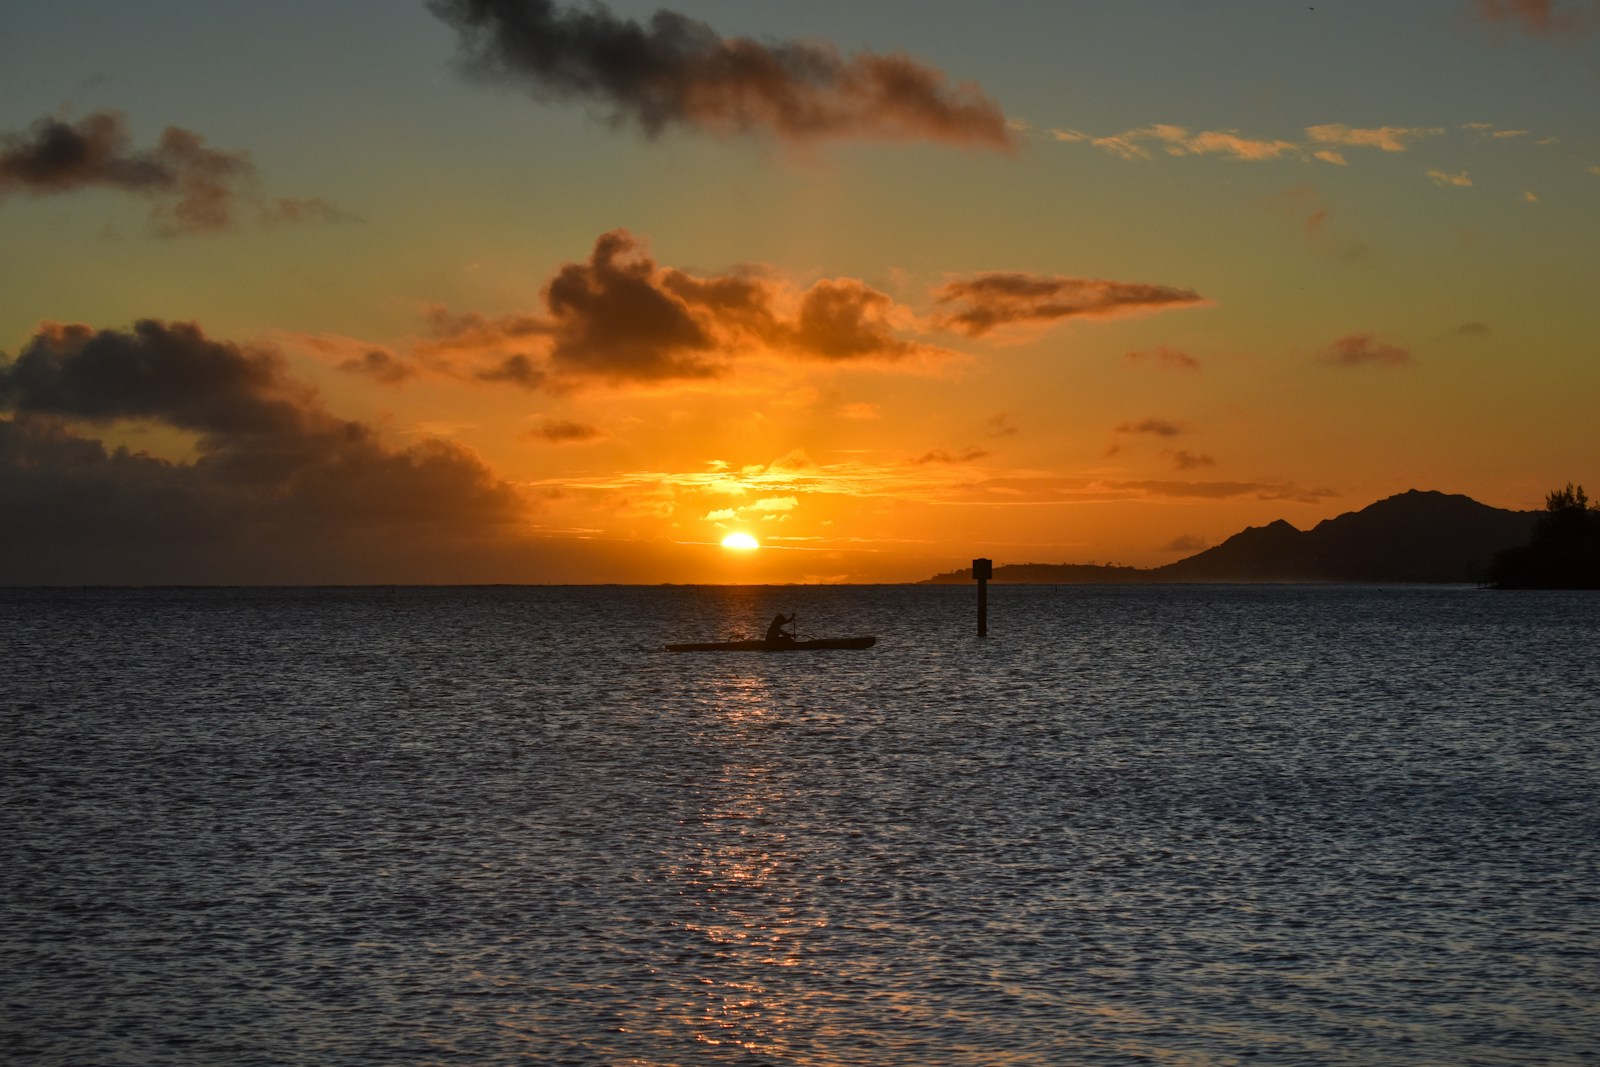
x=522 y=291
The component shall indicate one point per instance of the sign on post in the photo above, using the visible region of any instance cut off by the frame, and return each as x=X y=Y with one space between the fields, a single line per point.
x=983 y=570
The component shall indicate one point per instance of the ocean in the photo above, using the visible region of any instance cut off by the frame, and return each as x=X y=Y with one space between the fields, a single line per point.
x=1176 y=825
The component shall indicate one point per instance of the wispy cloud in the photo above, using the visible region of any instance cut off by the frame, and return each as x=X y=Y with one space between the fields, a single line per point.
x=940 y=455
x=380 y=365
x=565 y=432
x=1155 y=427
x=192 y=188
x=1185 y=543
x=1363 y=349
x=1384 y=138
x=1321 y=228
x=1150 y=427
x=1136 y=144
x=1001 y=425
x=1324 y=142
x=1164 y=356
x=676 y=71
x=1459 y=180
x=977 y=305
x=1188 y=461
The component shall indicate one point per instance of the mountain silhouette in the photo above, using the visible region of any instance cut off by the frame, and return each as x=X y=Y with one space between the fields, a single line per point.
x=1413 y=537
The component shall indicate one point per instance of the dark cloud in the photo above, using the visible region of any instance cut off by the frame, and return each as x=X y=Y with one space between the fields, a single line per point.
x=613 y=320
x=847 y=320
x=1474 y=329
x=676 y=71
x=1542 y=16
x=987 y=301
x=168 y=373
x=620 y=318
x=1362 y=349
x=277 y=477
x=1165 y=356
x=566 y=432
x=193 y=188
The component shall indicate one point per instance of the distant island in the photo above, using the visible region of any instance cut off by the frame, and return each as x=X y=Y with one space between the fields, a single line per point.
x=1412 y=537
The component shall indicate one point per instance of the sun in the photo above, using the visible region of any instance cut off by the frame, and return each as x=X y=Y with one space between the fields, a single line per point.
x=740 y=542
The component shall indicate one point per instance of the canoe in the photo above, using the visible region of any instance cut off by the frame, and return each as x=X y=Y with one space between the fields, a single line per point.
x=804 y=644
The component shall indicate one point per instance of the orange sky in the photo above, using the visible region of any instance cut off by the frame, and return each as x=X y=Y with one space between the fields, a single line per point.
x=887 y=287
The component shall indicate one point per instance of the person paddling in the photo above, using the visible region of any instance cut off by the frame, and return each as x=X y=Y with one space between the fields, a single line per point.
x=776 y=631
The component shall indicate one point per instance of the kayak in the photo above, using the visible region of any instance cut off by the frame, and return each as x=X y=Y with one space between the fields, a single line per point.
x=804 y=644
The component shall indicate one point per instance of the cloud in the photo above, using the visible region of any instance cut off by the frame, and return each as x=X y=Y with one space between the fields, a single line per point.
x=1324 y=142
x=860 y=411
x=766 y=507
x=1178 y=141
x=1185 y=543
x=566 y=432
x=1187 y=461
x=1321 y=230
x=193 y=188
x=620 y=318
x=1362 y=349
x=285 y=210
x=1441 y=178
x=985 y=302
x=1473 y=329
x=1028 y=490
x=613 y=321
x=846 y=320
x=1225 y=490
x=279 y=485
x=172 y=374
x=1000 y=425
x=1549 y=17
x=1386 y=138
x=380 y=365
x=676 y=71
x=1226 y=143
x=1165 y=356
x=1155 y=427
x=939 y=455
x=1144 y=427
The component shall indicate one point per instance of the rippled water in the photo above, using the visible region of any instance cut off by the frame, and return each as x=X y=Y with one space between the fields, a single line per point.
x=1134 y=825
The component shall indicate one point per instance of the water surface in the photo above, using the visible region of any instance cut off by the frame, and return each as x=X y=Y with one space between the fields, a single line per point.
x=1184 y=825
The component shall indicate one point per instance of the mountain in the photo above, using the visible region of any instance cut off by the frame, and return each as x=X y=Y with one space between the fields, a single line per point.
x=1413 y=537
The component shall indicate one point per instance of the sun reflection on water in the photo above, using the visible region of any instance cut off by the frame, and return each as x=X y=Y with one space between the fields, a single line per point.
x=739 y=877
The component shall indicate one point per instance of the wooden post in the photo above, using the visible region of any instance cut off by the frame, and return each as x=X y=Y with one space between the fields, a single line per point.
x=983 y=570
